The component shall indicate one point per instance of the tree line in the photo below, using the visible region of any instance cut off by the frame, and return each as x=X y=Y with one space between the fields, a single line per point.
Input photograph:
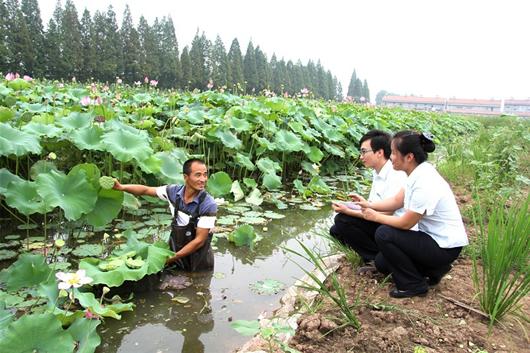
x=96 y=48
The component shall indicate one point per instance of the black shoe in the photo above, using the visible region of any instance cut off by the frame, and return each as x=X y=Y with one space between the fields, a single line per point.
x=433 y=280
x=396 y=293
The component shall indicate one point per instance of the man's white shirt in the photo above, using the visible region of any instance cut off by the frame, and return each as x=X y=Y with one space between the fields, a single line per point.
x=387 y=183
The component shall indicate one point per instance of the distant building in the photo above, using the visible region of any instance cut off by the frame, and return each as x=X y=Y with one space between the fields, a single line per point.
x=520 y=107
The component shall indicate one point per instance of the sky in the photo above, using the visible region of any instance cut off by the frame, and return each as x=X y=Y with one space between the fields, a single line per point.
x=451 y=48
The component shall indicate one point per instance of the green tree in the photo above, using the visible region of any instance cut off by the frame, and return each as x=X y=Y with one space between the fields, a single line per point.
x=235 y=62
x=5 y=52
x=149 y=59
x=199 y=55
x=219 y=61
x=107 y=40
x=185 y=64
x=380 y=95
x=31 y=13
x=130 y=49
x=52 y=51
x=88 y=48
x=366 y=91
x=250 y=69
x=263 y=72
x=169 y=54
x=352 y=87
x=70 y=43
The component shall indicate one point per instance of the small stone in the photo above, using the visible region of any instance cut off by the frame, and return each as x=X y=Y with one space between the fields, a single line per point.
x=399 y=331
x=462 y=322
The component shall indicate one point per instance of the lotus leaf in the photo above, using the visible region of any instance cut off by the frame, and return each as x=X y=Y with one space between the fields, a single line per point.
x=127 y=145
x=240 y=125
x=39 y=129
x=228 y=139
x=19 y=143
x=76 y=121
x=253 y=220
x=309 y=207
x=150 y=165
x=171 y=167
x=23 y=195
x=142 y=98
x=254 y=198
x=6 y=114
x=287 y=141
x=253 y=214
x=219 y=184
x=310 y=168
x=12 y=237
x=245 y=162
x=27 y=271
x=42 y=166
x=266 y=165
x=333 y=134
x=272 y=181
x=130 y=201
x=7 y=177
x=273 y=215
x=237 y=191
x=88 y=250
x=88 y=138
x=89 y=301
x=243 y=235
x=245 y=327
x=181 y=300
x=106 y=182
x=84 y=333
x=37 y=333
x=18 y=84
x=9 y=244
x=267 y=286
x=251 y=183
x=315 y=155
x=226 y=220
x=334 y=149
x=7 y=254
x=70 y=192
x=195 y=116
x=317 y=185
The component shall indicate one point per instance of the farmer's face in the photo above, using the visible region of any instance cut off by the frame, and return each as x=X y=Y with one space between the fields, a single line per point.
x=197 y=177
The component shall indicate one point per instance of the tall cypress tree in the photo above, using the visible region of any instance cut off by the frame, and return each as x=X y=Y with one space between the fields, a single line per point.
x=149 y=59
x=23 y=58
x=71 y=47
x=88 y=49
x=352 y=85
x=169 y=54
x=187 y=74
x=107 y=40
x=366 y=91
x=130 y=49
x=275 y=74
x=52 y=51
x=5 y=52
x=263 y=73
x=219 y=61
x=199 y=61
x=31 y=13
x=250 y=69
x=235 y=61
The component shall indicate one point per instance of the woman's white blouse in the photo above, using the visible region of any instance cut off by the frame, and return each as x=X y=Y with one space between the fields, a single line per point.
x=427 y=193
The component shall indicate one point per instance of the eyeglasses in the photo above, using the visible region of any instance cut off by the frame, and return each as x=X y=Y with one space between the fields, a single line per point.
x=363 y=151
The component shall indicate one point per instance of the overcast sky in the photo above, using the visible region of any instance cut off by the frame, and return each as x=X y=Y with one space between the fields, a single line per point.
x=451 y=48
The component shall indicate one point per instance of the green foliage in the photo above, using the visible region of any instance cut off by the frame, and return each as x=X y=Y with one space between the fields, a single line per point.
x=243 y=235
x=27 y=271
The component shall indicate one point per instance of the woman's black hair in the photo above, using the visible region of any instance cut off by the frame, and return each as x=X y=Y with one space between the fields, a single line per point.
x=419 y=144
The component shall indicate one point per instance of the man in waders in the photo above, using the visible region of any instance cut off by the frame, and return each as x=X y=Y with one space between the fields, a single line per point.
x=194 y=213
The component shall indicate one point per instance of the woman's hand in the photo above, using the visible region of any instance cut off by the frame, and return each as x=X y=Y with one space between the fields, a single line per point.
x=369 y=214
x=361 y=201
x=339 y=207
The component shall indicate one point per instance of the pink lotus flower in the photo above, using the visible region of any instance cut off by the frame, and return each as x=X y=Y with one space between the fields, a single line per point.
x=74 y=79
x=137 y=83
x=85 y=101
x=146 y=79
x=27 y=78
x=10 y=76
x=153 y=83
x=119 y=81
x=210 y=84
x=93 y=87
x=97 y=101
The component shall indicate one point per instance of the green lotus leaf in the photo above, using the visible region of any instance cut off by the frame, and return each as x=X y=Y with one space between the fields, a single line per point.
x=308 y=207
x=130 y=202
x=126 y=145
x=7 y=254
x=76 y=121
x=273 y=215
x=254 y=198
x=272 y=181
x=89 y=301
x=108 y=206
x=299 y=186
x=24 y=196
x=6 y=114
x=154 y=256
x=228 y=139
x=237 y=191
x=6 y=316
x=42 y=166
x=45 y=119
x=333 y=134
x=243 y=235
x=34 y=107
x=91 y=171
x=265 y=144
x=318 y=185
x=27 y=271
x=172 y=163
x=334 y=149
x=219 y=184
x=253 y=220
x=266 y=165
x=7 y=177
x=84 y=333
x=315 y=155
x=151 y=165
x=19 y=143
x=240 y=125
x=72 y=192
x=39 y=129
x=245 y=327
x=18 y=84
x=36 y=333
x=245 y=162
x=195 y=116
x=142 y=98
x=85 y=250
x=267 y=286
x=88 y=138
x=251 y=183
x=287 y=141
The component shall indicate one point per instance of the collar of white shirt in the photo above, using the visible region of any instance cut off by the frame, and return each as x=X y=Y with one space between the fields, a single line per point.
x=383 y=173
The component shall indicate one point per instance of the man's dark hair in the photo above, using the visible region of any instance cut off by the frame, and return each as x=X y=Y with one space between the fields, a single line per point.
x=379 y=140
x=186 y=168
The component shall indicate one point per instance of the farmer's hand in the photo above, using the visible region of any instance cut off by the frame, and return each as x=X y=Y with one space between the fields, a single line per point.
x=117 y=185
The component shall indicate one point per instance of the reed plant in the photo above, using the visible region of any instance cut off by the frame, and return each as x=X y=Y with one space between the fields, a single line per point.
x=335 y=291
x=502 y=277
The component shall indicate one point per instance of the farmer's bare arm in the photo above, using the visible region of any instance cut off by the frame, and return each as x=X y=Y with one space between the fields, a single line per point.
x=135 y=189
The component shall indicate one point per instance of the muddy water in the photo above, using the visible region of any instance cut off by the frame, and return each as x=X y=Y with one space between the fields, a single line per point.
x=202 y=325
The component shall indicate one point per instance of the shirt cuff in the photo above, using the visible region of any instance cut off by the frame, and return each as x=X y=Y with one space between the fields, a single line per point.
x=206 y=222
